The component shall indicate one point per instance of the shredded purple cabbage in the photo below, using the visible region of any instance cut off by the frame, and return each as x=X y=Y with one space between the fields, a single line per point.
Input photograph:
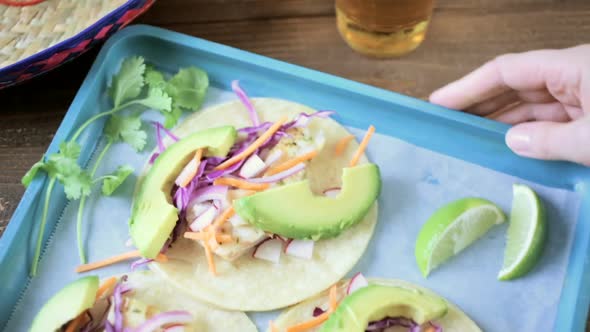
x=388 y=322
x=120 y=289
x=164 y=318
x=160 y=141
x=255 y=129
x=159 y=320
x=437 y=328
x=208 y=193
x=109 y=327
x=182 y=195
x=302 y=120
x=318 y=311
x=279 y=176
x=235 y=85
x=214 y=174
x=153 y=157
x=214 y=161
x=140 y=262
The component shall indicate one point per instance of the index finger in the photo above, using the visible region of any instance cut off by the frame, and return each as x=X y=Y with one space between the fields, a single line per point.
x=522 y=72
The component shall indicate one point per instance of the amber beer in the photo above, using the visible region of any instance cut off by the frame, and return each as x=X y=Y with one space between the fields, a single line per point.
x=383 y=28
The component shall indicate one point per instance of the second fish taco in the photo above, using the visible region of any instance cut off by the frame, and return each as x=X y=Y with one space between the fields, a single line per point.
x=138 y=302
x=377 y=305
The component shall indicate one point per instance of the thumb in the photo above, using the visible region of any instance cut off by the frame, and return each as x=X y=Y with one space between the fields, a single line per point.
x=551 y=140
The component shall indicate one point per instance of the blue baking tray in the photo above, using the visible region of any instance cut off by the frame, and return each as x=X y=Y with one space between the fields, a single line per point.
x=460 y=135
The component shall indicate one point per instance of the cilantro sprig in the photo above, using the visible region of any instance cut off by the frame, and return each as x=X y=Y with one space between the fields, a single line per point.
x=135 y=88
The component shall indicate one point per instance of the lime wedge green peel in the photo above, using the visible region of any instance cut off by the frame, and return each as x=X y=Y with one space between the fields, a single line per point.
x=526 y=233
x=452 y=228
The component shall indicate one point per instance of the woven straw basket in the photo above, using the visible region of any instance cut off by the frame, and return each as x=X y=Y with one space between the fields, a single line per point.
x=37 y=38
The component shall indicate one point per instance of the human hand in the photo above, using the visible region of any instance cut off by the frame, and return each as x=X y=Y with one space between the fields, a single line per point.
x=545 y=94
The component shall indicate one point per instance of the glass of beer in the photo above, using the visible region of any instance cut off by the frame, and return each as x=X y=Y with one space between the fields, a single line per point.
x=383 y=28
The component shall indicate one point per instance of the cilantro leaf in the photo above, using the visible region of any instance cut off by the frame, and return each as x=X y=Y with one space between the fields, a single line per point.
x=114 y=180
x=65 y=162
x=64 y=167
x=70 y=149
x=127 y=83
x=171 y=118
x=188 y=87
x=154 y=78
x=157 y=99
x=112 y=129
x=126 y=129
x=77 y=185
x=30 y=175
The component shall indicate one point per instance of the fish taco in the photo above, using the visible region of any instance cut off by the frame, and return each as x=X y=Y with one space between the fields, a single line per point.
x=258 y=204
x=138 y=302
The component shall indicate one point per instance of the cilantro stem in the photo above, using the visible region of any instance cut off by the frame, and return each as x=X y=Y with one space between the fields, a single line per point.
x=98 y=179
x=98 y=116
x=81 y=252
x=42 y=226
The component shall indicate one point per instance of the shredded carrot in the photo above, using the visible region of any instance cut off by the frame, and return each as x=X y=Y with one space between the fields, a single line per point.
x=242 y=184
x=210 y=260
x=290 y=163
x=211 y=237
x=430 y=329
x=108 y=261
x=77 y=322
x=223 y=217
x=243 y=192
x=213 y=244
x=116 y=259
x=224 y=238
x=108 y=284
x=333 y=298
x=217 y=237
x=203 y=236
x=197 y=160
x=316 y=321
x=362 y=146
x=195 y=235
x=321 y=318
x=273 y=327
x=342 y=144
x=257 y=143
x=216 y=240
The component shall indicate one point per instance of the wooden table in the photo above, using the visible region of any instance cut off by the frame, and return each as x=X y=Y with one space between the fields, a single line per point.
x=463 y=35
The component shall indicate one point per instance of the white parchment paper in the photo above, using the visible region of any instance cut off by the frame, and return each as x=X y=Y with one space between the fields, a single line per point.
x=415 y=183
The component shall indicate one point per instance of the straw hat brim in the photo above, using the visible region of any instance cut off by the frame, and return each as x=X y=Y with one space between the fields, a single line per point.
x=57 y=30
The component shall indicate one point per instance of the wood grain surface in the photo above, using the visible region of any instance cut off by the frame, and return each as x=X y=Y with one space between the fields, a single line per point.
x=463 y=35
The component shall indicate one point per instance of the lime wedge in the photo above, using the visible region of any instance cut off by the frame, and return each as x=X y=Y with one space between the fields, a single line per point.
x=526 y=233
x=452 y=228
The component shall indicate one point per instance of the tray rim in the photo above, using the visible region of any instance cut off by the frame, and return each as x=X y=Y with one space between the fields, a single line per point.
x=574 y=301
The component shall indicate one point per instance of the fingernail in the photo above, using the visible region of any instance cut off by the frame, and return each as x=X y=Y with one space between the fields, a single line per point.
x=518 y=139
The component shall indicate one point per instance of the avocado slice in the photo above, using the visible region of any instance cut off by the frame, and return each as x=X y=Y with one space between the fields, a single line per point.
x=66 y=304
x=294 y=211
x=375 y=302
x=153 y=215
